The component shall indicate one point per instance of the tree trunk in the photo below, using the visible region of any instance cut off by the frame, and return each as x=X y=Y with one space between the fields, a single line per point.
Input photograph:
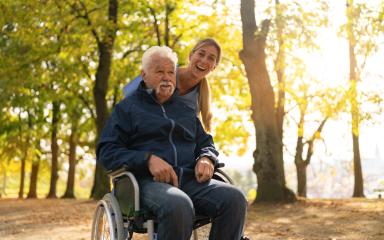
x=54 y=149
x=301 y=166
x=33 y=182
x=22 y=171
x=105 y=47
x=69 y=192
x=25 y=154
x=358 y=190
x=280 y=73
x=301 y=179
x=268 y=160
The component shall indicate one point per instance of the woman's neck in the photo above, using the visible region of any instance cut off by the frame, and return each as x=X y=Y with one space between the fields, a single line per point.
x=186 y=81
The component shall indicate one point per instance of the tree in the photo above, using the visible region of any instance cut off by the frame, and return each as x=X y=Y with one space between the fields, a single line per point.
x=328 y=102
x=73 y=141
x=25 y=152
x=268 y=160
x=295 y=28
x=358 y=190
x=104 y=35
x=54 y=149
x=362 y=30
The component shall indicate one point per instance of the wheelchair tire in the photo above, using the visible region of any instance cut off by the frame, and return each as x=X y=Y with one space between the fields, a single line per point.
x=107 y=221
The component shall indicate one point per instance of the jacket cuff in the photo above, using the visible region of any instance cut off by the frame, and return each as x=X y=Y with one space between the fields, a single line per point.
x=211 y=157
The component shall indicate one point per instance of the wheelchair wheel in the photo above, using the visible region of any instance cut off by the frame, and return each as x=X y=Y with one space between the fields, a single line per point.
x=107 y=221
x=222 y=176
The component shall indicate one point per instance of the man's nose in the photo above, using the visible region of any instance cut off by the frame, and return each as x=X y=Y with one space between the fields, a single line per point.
x=167 y=77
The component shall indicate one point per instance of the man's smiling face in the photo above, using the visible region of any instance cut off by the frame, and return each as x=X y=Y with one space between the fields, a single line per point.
x=161 y=77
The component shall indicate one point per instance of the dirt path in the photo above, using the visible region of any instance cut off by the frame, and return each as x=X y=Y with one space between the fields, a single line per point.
x=313 y=220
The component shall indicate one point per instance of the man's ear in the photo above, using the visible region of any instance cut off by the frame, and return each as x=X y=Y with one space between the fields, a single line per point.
x=143 y=75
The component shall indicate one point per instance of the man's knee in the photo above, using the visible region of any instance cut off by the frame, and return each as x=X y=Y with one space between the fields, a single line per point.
x=179 y=207
x=234 y=199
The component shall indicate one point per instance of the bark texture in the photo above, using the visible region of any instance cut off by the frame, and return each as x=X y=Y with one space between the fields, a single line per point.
x=54 y=150
x=268 y=160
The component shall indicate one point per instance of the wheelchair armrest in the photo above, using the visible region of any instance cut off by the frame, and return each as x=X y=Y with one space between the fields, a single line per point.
x=113 y=173
x=126 y=190
x=220 y=165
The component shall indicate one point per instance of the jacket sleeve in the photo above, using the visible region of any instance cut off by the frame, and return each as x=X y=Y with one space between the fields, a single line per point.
x=204 y=144
x=113 y=151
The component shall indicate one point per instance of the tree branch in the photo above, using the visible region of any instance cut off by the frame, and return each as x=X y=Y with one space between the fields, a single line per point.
x=156 y=25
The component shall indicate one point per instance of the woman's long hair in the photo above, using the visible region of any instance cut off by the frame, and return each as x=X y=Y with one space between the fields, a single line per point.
x=204 y=88
x=205 y=104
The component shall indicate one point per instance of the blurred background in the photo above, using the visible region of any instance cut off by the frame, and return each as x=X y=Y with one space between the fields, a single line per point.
x=64 y=64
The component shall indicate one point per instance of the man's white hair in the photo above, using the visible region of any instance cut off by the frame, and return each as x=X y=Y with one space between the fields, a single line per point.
x=162 y=51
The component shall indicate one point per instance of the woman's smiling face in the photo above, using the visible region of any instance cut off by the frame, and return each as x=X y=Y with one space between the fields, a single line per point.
x=203 y=60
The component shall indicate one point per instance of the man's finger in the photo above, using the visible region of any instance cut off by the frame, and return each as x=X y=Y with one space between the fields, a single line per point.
x=156 y=179
x=175 y=181
x=205 y=175
x=198 y=173
x=167 y=177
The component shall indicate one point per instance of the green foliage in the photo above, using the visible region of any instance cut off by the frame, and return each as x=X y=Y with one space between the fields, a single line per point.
x=49 y=52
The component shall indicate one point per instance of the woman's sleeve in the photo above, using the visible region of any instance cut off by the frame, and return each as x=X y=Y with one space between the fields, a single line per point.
x=131 y=87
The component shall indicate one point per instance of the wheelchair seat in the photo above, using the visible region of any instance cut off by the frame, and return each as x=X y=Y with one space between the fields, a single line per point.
x=118 y=215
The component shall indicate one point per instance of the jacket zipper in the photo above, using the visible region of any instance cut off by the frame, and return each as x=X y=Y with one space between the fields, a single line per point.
x=170 y=134
x=171 y=140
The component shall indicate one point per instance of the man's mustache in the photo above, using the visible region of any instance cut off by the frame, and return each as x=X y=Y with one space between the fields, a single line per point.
x=165 y=84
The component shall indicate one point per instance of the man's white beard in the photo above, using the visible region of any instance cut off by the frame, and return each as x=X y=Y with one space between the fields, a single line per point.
x=165 y=93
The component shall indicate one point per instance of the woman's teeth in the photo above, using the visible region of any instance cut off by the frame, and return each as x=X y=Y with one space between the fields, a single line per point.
x=200 y=68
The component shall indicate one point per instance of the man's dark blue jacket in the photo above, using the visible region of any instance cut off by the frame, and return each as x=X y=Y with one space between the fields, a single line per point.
x=140 y=126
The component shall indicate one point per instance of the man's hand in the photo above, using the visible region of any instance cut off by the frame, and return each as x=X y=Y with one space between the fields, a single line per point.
x=162 y=171
x=204 y=169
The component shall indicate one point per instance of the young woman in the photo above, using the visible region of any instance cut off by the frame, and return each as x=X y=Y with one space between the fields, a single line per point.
x=191 y=80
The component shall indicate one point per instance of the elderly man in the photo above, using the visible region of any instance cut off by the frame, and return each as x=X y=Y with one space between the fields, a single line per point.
x=162 y=142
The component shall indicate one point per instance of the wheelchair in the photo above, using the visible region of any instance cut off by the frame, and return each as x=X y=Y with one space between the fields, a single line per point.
x=118 y=215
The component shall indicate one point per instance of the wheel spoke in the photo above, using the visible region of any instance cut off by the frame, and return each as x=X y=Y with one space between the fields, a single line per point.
x=106 y=228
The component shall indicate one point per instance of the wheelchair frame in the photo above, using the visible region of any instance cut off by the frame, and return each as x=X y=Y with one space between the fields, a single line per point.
x=114 y=220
